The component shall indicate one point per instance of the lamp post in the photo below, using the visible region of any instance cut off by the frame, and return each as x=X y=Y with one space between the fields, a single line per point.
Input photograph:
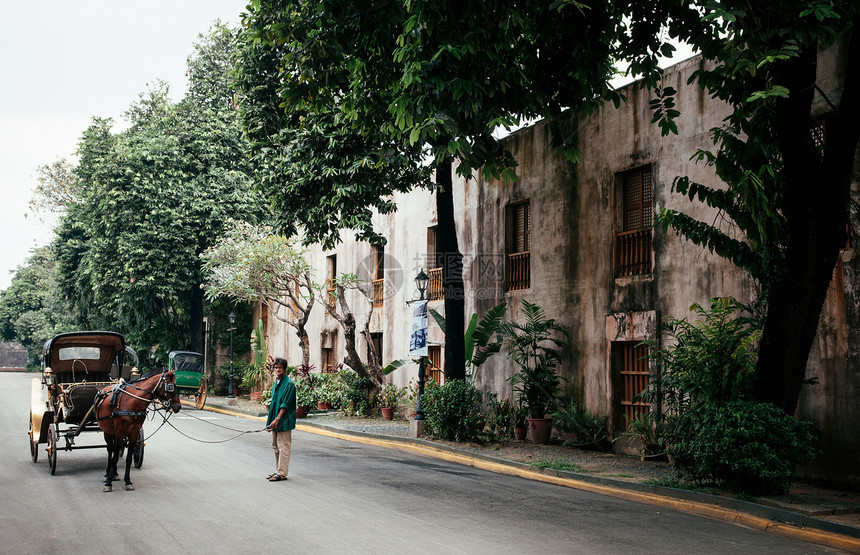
x=232 y=318
x=421 y=281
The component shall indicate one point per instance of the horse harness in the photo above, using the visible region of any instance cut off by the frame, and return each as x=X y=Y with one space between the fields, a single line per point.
x=119 y=390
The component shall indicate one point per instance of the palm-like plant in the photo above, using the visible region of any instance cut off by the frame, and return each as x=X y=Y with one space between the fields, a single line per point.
x=535 y=347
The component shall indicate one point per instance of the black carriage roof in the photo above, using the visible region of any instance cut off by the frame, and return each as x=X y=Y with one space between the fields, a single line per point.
x=109 y=344
x=186 y=361
x=173 y=354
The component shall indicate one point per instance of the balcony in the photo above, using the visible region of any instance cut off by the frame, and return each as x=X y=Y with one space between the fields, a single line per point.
x=435 y=291
x=633 y=253
x=378 y=286
x=519 y=271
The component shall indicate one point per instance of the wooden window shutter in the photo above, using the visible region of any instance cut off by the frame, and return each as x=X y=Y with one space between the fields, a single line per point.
x=520 y=213
x=638 y=199
x=432 y=254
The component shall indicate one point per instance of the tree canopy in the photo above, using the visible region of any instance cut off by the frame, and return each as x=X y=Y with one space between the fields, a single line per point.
x=786 y=154
x=152 y=197
x=251 y=263
x=443 y=77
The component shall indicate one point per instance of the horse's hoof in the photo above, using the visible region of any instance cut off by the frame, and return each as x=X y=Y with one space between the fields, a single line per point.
x=108 y=488
x=129 y=487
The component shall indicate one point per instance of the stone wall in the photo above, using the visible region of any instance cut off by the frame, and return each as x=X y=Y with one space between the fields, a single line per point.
x=13 y=355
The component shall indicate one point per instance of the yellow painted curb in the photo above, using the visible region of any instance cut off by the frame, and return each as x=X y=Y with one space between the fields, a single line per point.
x=830 y=539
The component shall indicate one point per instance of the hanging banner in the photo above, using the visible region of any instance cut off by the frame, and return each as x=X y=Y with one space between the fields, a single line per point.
x=418 y=339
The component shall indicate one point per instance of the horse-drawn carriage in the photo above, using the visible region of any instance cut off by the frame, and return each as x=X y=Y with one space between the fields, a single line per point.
x=85 y=386
x=76 y=366
x=190 y=379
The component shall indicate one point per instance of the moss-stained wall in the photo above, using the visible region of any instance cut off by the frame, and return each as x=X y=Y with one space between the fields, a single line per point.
x=574 y=211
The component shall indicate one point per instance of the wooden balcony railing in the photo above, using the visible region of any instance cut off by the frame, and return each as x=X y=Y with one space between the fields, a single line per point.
x=519 y=271
x=633 y=251
x=435 y=291
x=378 y=292
x=331 y=296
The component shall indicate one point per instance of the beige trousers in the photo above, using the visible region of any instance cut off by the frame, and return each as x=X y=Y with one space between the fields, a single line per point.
x=282 y=442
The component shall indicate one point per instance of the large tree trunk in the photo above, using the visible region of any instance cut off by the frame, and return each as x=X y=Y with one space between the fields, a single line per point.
x=196 y=340
x=816 y=209
x=452 y=276
x=304 y=343
x=347 y=322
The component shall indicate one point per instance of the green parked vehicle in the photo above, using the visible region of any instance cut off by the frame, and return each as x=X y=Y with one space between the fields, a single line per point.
x=190 y=378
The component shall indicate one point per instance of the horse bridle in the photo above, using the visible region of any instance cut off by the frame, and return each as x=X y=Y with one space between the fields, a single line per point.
x=169 y=389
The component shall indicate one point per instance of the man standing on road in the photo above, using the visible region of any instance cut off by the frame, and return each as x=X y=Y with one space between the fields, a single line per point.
x=282 y=419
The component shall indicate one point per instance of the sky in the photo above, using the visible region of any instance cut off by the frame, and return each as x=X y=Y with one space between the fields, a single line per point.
x=63 y=62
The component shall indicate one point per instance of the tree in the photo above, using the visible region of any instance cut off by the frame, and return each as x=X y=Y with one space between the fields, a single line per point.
x=252 y=264
x=788 y=195
x=444 y=76
x=346 y=318
x=31 y=311
x=152 y=198
x=438 y=77
x=58 y=187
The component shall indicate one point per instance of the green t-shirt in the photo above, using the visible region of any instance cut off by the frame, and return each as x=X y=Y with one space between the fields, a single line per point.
x=283 y=397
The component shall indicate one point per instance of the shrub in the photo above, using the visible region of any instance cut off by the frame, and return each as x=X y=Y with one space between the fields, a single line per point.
x=712 y=361
x=501 y=417
x=305 y=385
x=743 y=445
x=390 y=395
x=454 y=411
x=240 y=369
x=355 y=393
x=572 y=417
x=330 y=389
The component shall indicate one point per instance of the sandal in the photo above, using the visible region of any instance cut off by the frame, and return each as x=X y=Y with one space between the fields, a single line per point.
x=272 y=475
x=277 y=478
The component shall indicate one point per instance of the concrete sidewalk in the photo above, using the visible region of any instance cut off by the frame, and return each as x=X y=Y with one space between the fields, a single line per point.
x=817 y=515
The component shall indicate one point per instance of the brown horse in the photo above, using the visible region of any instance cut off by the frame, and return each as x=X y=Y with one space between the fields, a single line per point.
x=121 y=410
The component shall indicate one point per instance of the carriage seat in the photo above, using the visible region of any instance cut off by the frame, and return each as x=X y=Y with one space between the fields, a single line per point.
x=77 y=400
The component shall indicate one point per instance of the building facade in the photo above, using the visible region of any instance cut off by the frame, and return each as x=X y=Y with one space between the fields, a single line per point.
x=579 y=240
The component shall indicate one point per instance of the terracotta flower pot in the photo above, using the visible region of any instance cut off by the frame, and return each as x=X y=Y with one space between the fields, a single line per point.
x=302 y=412
x=540 y=430
x=520 y=433
x=387 y=413
x=323 y=406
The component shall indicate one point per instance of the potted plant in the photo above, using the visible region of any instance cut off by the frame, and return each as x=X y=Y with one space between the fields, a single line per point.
x=327 y=391
x=520 y=421
x=252 y=379
x=534 y=346
x=389 y=395
x=305 y=394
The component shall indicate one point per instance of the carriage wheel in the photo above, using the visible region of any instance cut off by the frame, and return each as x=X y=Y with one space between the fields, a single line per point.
x=34 y=445
x=52 y=448
x=137 y=452
x=200 y=396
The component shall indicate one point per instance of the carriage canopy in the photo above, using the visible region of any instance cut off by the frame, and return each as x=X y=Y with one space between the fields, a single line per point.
x=88 y=353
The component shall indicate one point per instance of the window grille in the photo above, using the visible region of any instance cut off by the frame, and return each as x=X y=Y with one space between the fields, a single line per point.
x=518 y=244
x=634 y=378
x=633 y=244
x=433 y=369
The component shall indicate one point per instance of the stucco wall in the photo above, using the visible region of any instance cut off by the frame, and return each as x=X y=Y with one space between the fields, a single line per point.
x=574 y=215
x=574 y=218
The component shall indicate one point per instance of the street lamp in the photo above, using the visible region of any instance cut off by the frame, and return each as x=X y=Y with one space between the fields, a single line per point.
x=232 y=318
x=421 y=281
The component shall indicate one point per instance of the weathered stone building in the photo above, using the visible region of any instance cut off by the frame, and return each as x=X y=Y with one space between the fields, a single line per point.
x=578 y=240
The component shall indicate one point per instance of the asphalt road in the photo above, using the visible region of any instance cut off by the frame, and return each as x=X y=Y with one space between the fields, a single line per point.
x=341 y=497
